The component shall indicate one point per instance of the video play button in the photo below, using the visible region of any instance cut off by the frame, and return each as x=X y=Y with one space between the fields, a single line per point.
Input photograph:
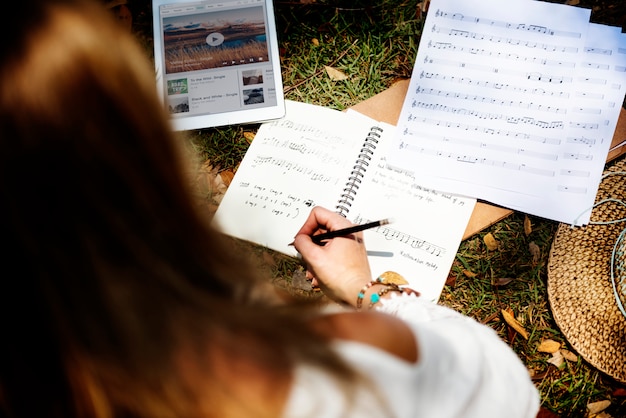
x=215 y=39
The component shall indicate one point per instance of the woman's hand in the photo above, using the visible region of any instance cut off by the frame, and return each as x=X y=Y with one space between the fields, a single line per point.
x=340 y=266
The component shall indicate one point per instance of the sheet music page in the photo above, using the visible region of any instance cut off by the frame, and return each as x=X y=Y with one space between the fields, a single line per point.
x=607 y=45
x=494 y=107
x=427 y=228
x=598 y=96
x=294 y=163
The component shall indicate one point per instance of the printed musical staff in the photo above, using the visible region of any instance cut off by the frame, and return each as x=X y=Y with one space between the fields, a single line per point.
x=600 y=51
x=503 y=40
x=502 y=54
x=572 y=189
x=575 y=173
x=509 y=25
x=533 y=76
x=548 y=156
x=482 y=99
x=494 y=85
x=476 y=159
x=510 y=89
x=581 y=141
x=499 y=132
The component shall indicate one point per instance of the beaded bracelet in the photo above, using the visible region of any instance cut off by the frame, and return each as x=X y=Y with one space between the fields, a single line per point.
x=375 y=297
x=388 y=288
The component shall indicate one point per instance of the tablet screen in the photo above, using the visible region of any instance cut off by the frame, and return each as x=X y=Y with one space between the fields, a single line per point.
x=217 y=62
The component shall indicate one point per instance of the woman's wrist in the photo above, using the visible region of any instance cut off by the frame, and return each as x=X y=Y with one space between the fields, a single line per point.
x=381 y=287
x=374 y=291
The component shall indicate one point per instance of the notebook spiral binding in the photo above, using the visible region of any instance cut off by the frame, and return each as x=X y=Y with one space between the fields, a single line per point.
x=358 y=171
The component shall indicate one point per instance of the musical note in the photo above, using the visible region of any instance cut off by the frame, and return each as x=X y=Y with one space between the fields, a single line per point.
x=466 y=158
x=304 y=147
x=413 y=242
x=521 y=27
x=488 y=96
x=572 y=189
x=495 y=85
x=548 y=78
x=483 y=129
x=505 y=40
x=590 y=80
x=595 y=66
x=577 y=156
x=589 y=95
x=601 y=51
x=575 y=173
x=587 y=110
x=581 y=141
x=584 y=125
x=287 y=166
x=447 y=46
x=481 y=99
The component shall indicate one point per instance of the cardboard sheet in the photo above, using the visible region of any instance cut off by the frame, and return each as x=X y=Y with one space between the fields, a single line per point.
x=386 y=107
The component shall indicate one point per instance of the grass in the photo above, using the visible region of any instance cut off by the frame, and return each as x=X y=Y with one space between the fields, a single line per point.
x=374 y=43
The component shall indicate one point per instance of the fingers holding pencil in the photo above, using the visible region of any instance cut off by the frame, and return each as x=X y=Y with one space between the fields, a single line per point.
x=344 y=232
x=313 y=222
x=323 y=219
x=340 y=267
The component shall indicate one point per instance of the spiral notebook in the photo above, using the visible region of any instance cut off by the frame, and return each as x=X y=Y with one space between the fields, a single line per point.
x=316 y=156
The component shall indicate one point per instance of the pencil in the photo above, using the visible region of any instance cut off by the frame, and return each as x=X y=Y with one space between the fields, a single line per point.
x=347 y=231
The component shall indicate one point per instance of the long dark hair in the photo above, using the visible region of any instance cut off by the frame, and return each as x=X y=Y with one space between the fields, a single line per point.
x=109 y=272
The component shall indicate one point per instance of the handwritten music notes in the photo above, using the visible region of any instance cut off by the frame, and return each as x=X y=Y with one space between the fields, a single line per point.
x=294 y=163
x=514 y=103
x=427 y=225
x=317 y=156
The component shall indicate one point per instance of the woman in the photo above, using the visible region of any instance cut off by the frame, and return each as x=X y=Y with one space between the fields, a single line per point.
x=122 y=302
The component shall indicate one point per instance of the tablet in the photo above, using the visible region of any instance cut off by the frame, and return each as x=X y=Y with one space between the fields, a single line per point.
x=217 y=62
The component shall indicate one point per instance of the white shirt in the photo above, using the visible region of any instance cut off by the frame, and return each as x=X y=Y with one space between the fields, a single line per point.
x=464 y=370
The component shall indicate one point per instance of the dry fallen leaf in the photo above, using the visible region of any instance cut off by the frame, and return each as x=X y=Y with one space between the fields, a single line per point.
x=549 y=346
x=227 y=177
x=394 y=278
x=535 y=252
x=210 y=184
x=528 y=227
x=335 y=74
x=422 y=8
x=502 y=281
x=597 y=407
x=569 y=356
x=490 y=242
x=509 y=318
x=557 y=360
x=249 y=136
x=315 y=41
x=469 y=274
x=619 y=392
x=451 y=280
